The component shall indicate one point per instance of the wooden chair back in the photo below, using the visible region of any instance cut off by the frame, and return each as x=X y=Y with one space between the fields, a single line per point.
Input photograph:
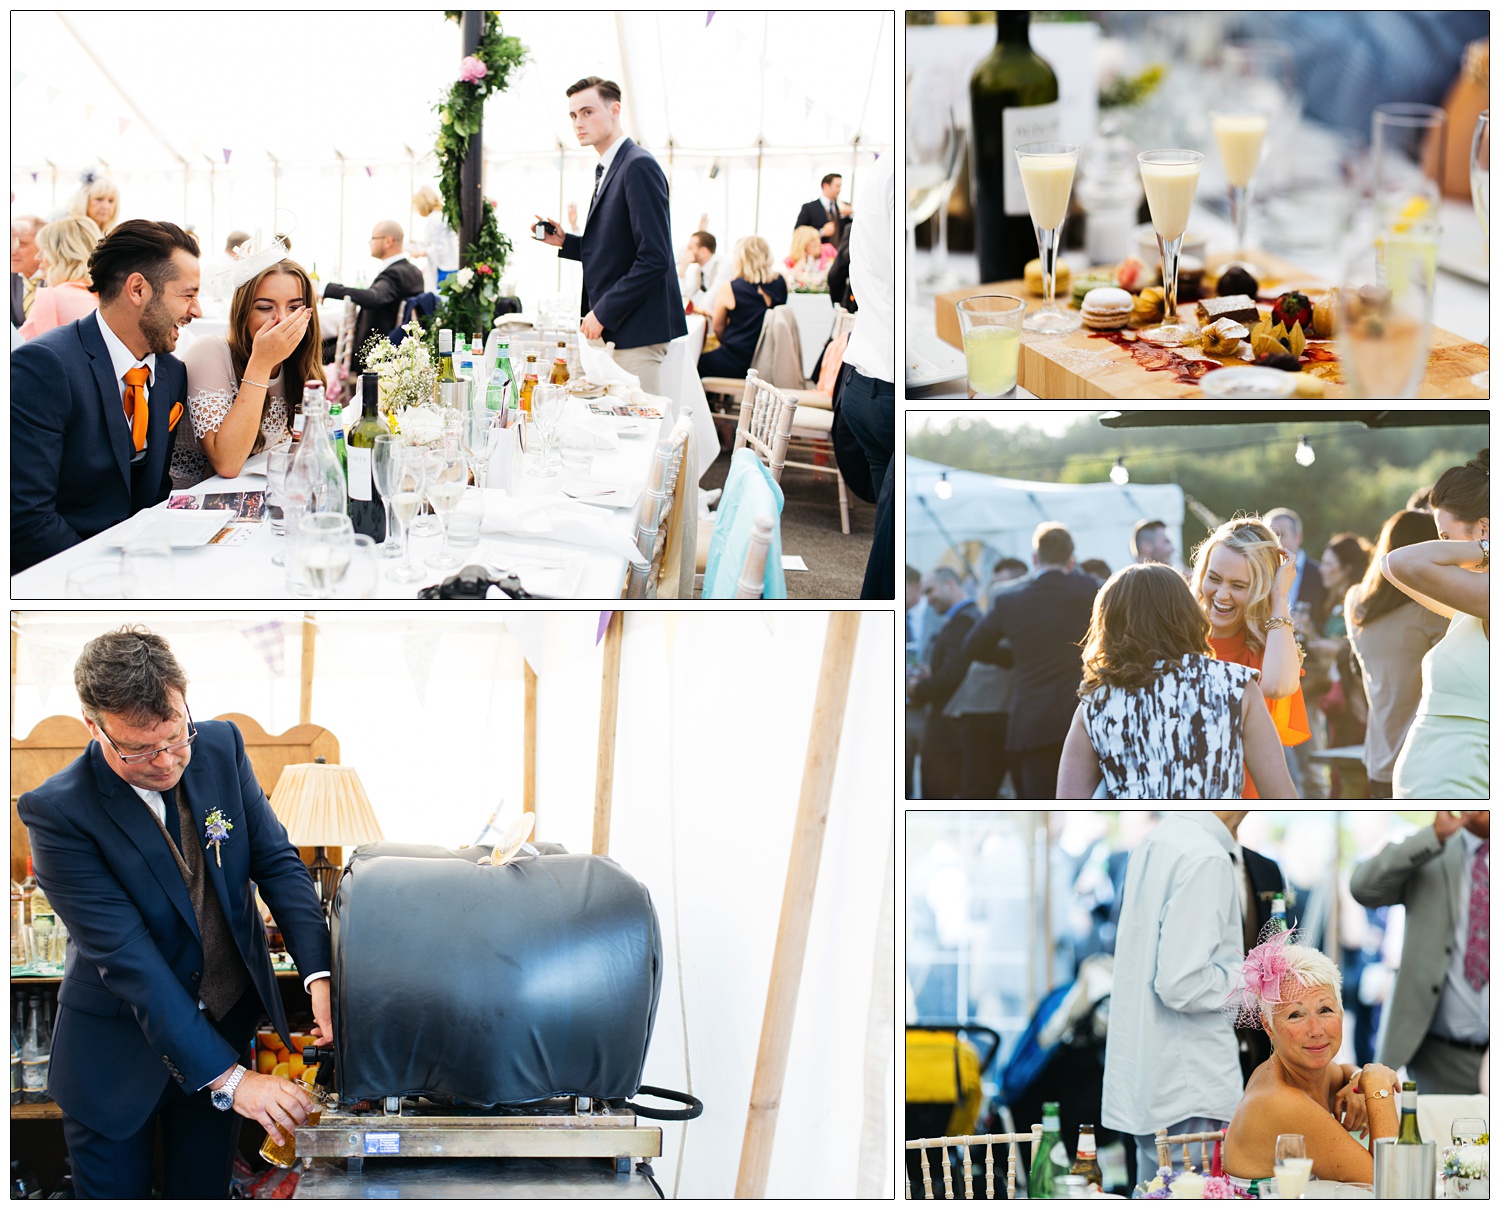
x=752 y=585
x=657 y=516
x=965 y=1144
x=1165 y=1143
x=766 y=418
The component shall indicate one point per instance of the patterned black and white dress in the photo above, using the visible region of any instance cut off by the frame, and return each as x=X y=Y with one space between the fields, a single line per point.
x=1180 y=737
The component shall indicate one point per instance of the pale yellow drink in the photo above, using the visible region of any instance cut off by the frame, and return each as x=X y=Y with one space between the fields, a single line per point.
x=1240 y=136
x=1169 y=192
x=1048 y=180
x=1291 y=1178
x=993 y=355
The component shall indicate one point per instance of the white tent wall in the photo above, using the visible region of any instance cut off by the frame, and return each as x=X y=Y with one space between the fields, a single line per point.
x=1004 y=513
x=713 y=729
x=729 y=88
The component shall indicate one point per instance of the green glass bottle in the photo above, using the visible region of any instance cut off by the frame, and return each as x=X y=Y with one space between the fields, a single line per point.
x=1013 y=100
x=366 y=507
x=1051 y=1158
x=1408 y=1132
x=447 y=380
x=1277 y=923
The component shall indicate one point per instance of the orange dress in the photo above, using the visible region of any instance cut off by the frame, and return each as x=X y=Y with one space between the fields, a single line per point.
x=1289 y=714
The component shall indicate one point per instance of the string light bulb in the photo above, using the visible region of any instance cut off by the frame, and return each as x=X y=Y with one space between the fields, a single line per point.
x=943 y=490
x=1118 y=475
x=1304 y=454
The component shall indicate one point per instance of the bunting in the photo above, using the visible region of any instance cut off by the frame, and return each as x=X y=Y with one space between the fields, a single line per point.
x=420 y=651
x=269 y=641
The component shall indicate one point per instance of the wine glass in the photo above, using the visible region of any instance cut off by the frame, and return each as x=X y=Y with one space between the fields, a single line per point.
x=546 y=410
x=1466 y=1131
x=388 y=447
x=1241 y=135
x=934 y=150
x=1171 y=179
x=1261 y=74
x=426 y=524
x=446 y=484
x=324 y=549
x=363 y=575
x=478 y=426
x=1385 y=317
x=1047 y=177
x=1292 y=1166
x=407 y=487
x=1479 y=188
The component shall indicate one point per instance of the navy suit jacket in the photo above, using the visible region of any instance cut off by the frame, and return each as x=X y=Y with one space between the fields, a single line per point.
x=128 y=1017
x=629 y=278
x=815 y=214
x=70 y=447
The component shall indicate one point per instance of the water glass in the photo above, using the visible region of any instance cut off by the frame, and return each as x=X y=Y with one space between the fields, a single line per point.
x=546 y=410
x=325 y=545
x=465 y=520
x=277 y=463
x=575 y=446
x=103 y=579
x=1407 y=144
x=478 y=426
x=1385 y=308
x=147 y=565
x=362 y=579
x=991 y=328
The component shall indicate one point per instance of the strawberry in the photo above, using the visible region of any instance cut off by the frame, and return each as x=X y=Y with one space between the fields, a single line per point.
x=1292 y=308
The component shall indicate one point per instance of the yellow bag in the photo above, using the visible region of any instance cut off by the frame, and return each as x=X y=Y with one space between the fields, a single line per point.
x=943 y=1069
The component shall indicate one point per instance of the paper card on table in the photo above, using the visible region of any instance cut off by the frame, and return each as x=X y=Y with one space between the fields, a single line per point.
x=232 y=535
x=176 y=527
x=793 y=563
x=246 y=506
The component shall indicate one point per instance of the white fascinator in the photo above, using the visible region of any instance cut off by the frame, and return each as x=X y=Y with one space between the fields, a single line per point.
x=246 y=262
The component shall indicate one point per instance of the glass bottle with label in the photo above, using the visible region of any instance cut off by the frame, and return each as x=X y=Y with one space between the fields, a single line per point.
x=366 y=505
x=1086 y=1162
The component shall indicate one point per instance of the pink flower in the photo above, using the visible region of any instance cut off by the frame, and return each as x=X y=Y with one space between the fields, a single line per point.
x=472 y=70
x=484 y=269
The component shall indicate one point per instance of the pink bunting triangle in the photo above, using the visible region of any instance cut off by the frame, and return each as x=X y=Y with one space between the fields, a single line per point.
x=710 y=20
x=227 y=153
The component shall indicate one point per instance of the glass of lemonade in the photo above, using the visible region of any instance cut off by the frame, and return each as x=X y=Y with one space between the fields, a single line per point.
x=1171 y=180
x=1241 y=136
x=991 y=327
x=1047 y=176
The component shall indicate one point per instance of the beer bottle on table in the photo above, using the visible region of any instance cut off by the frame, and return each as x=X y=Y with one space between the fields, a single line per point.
x=1013 y=98
x=336 y=435
x=560 y=365
x=1409 y=1132
x=1051 y=1158
x=528 y=384
x=366 y=507
x=1086 y=1163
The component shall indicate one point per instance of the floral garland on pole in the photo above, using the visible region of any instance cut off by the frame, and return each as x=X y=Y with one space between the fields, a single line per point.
x=468 y=297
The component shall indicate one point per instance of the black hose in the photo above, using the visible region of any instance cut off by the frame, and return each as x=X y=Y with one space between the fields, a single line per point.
x=692 y=1105
x=645 y=1170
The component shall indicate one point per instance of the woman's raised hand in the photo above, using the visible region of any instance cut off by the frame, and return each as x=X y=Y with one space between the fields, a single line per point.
x=1375 y=1076
x=275 y=342
x=1349 y=1106
x=1286 y=576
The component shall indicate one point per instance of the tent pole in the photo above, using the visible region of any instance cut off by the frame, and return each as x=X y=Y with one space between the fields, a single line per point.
x=797 y=901
x=609 y=713
x=340 y=159
x=562 y=208
x=309 y=639
x=470 y=193
x=528 y=730
x=1031 y=918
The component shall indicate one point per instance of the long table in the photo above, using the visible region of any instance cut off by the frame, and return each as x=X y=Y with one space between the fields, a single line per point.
x=245 y=572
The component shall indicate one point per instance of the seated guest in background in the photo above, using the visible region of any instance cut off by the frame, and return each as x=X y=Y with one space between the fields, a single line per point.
x=808 y=263
x=98 y=199
x=934 y=685
x=236 y=238
x=95 y=403
x=440 y=247
x=25 y=265
x=243 y=387
x=380 y=304
x=703 y=272
x=1150 y=544
x=827 y=213
x=740 y=308
x=65 y=247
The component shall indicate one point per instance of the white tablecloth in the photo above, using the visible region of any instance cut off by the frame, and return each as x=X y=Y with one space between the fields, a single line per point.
x=814 y=316
x=246 y=572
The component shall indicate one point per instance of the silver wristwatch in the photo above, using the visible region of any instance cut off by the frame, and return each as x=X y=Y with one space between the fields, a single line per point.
x=223 y=1096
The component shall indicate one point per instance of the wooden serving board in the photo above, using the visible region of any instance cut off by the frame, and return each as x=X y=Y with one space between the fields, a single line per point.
x=1079 y=366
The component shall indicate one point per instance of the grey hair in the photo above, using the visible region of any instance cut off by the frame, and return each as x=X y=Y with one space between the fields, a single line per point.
x=129 y=672
x=1314 y=968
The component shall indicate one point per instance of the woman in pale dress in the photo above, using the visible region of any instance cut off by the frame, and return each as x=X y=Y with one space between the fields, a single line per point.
x=243 y=389
x=1447 y=750
x=64 y=247
x=99 y=199
x=809 y=260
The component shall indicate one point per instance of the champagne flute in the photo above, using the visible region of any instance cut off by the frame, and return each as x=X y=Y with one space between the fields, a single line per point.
x=934 y=150
x=546 y=409
x=324 y=551
x=1292 y=1166
x=479 y=425
x=1261 y=73
x=1479 y=188
x=388 y=447
x=444 y=490
x=1171 y=179
x=408 y=485
x=1047 y=177
x=1241 y=135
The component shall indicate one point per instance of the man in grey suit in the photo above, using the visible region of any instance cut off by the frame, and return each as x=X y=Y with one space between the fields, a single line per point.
x=1438 y=1020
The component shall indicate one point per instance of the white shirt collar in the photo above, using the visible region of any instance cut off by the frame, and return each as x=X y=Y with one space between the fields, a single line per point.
x=391 y=260
x=122 y=358
x=608 y=157
x=154 y=800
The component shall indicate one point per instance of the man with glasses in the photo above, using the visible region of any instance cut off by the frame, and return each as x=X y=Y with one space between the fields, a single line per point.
x=380 y=305
x=151 y=846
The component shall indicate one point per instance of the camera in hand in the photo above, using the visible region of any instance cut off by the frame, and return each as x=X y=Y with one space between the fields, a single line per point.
x=544 y=228
x=473 y=583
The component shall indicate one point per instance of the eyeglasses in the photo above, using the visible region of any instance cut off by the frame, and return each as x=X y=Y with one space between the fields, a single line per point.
x=140 y=758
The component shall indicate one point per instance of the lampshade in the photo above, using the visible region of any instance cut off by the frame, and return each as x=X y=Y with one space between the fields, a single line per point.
x=324 y=805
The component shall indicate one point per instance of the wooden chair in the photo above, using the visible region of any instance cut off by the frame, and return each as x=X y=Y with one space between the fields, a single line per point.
x=1165 y=1142
x=341 y=388
x=964 y=1143
x=752 y=584
x=767 y=415
x=657 y=517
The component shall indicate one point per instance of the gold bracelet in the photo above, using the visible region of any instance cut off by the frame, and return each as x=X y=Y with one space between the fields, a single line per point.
x=1273 y=623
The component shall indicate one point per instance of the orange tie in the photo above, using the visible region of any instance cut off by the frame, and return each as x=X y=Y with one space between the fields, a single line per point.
x=136 y=409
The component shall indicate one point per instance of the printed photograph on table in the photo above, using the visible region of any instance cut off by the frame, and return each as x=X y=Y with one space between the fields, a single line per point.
x=1140 y=1004
x=1186 y=604
x=611 y=317
x=1191 y=205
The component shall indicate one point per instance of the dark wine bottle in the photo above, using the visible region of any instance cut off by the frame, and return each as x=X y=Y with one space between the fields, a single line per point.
x=1013 y=100
x=366 y=505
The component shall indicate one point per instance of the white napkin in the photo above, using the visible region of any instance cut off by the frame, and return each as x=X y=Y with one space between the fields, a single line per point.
x=555 y=517
x=504 y=514
x=576 y=412
x=505 y=458
x=601 y=369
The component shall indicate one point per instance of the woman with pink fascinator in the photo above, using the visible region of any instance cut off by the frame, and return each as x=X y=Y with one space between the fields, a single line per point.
x=1292 y=992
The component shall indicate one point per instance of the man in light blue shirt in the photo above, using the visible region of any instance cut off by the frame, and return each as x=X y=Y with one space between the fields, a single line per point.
x=1171 y=1058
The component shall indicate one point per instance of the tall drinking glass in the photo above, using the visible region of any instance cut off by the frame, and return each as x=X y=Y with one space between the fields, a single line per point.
x=1385 y=318
x=934 y=151
x=1171 y=180
x=1241 y=136
x=277 y=463
x=409 y=484
x=546 y=410
x=991 y=328
x=1406 y=142
x=388 y=447
x=325 y=543
x=1479 y=188
x=1047 y=176
x=1292 y=1168
x=445 y=487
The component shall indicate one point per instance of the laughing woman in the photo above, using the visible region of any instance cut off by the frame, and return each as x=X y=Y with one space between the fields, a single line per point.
x=1242 y=577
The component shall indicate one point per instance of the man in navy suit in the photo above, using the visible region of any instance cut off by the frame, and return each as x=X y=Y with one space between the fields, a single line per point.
x=151 y=846
x=1045 y=620
x=380 y=305
x=630 y=293
x=80 y=459
x=826 y=213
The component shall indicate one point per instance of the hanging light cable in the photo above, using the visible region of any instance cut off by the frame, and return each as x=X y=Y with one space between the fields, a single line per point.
x=1118 y=475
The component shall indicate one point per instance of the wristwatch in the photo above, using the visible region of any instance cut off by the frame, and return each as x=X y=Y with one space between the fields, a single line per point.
x=223 y=1096
x=1484 y=545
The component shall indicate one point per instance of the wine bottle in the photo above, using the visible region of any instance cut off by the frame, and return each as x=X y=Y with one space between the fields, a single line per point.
x=446 y=377
x=366 y=506
x=1051 y=1159
x=1086 y=1163
x=1408 y=1132
x=1013 y=100
x=560 y=366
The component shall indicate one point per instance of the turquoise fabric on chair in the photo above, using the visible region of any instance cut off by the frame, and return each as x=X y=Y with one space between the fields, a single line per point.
x=749 y=492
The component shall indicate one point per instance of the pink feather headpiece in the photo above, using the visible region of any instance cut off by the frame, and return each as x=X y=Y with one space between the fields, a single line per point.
x=1264 y=968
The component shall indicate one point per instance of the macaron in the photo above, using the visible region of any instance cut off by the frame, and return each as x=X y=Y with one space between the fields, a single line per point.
x=1033 y=276
x=1107 y=307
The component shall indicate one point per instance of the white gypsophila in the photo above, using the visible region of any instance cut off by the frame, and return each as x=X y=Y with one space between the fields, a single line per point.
x=421 y=425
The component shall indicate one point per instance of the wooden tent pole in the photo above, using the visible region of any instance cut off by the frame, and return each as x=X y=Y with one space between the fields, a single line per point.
x=309 y=640
x=609 y=713
x=528 y=766
x=797 y=902
x=14 y=640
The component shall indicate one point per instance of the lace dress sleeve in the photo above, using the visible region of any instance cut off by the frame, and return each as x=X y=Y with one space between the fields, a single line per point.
x=211 y=385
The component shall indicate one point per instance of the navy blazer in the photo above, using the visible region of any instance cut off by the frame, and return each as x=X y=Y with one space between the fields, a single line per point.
x=128 y=1016
x=815 y=214
x=629 y=278
x=70 y=446
x=1045 y=619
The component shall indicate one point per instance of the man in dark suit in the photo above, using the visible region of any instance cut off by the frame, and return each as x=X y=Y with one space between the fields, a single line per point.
x=380 y=304
x=25 y=265
x=151 y=847
x=826 y=213
x=95 y=403
x=1308 y=593
x=942 y=744
x=1045 y=620
x=630 y=293
x=1258 y=880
